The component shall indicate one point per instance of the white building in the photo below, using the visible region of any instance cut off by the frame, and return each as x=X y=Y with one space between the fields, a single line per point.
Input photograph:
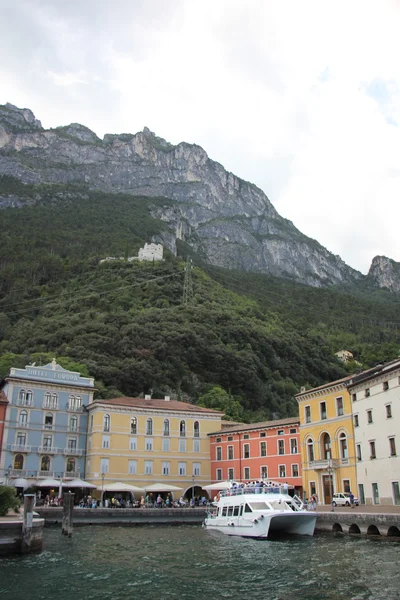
x=151 y=252
x=376 y=415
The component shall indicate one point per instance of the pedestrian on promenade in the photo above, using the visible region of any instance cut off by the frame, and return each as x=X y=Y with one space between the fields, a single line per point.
x=351 y=499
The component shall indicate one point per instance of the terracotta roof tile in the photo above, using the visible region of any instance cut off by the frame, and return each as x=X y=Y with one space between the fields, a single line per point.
x=155 y=403
x=261 y=425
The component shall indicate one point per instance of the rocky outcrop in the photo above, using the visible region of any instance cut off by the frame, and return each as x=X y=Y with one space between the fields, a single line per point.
x=384 y=273
x=229 y=221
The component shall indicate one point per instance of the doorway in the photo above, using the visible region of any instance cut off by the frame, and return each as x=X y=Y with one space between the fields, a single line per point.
x=327 y=487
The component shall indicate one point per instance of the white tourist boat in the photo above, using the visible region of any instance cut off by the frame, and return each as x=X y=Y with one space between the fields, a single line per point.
x=258 y=512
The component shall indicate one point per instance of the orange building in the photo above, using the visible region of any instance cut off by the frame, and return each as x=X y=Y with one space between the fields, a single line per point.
x=269 y=450
x=3 y=408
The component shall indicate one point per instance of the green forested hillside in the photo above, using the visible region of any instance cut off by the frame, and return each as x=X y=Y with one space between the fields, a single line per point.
x=247 y=340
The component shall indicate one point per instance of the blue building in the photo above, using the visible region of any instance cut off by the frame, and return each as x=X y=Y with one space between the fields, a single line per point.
x=46 y=423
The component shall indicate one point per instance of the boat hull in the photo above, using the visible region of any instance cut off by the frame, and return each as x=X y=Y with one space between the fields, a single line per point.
x=300 y=523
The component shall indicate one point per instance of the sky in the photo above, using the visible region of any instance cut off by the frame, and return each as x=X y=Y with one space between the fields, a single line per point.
x=301 y=98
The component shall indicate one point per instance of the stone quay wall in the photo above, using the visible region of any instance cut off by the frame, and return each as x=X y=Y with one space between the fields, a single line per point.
x=11 y=536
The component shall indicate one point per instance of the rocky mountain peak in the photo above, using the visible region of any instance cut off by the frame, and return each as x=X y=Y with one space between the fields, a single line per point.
x=385 y=273
x=22 y=118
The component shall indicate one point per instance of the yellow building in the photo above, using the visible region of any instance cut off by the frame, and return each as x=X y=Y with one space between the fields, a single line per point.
x=327 y=440
x=141 y=441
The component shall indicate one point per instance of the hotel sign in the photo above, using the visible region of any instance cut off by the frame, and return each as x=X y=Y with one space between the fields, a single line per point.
x=58 y=376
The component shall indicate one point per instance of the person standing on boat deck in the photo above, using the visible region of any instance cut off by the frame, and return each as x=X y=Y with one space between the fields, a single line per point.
x=285 y=487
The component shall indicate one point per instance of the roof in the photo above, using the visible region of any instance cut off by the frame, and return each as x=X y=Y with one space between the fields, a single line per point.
x=325 y=386
x=261 y=425
x=156 y=404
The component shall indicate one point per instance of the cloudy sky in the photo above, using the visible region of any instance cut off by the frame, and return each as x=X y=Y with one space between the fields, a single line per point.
x=300 y=97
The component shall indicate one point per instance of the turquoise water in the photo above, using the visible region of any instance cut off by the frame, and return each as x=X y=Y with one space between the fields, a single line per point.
x=119 y=563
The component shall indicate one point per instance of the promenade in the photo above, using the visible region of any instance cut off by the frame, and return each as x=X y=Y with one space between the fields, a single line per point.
x=369 y=509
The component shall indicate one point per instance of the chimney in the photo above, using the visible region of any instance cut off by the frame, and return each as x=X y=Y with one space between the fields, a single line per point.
x=147 y=397
x=167 y=398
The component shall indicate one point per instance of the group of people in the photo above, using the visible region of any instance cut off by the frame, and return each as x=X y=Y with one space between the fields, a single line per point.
x=312 y=502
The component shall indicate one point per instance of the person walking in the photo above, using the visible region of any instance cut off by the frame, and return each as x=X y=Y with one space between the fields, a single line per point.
x=351 y=499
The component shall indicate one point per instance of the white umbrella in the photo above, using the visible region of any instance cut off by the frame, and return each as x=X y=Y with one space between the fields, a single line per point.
x=20 y=482
x=121 y=487
x=162 y=487
x=218 y=485
x=49 y=483
x=80 y=483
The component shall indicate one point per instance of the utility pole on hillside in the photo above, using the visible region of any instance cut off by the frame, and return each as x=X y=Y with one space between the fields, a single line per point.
x=188 y=283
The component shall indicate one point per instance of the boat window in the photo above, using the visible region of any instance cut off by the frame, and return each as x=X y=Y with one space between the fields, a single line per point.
x=247 y=508
x=259 y=505
x=224 y=511
x=236 y=511
x=241 y=510
x=230 y=511
x=280 y=506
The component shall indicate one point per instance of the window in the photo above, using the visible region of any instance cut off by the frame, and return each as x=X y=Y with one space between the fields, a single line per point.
x=91 y=422
x=148 y=467
x=356 y=421
x=105 y=441
x=19 y=462
x=50 y=400
x=196 y=468
x=388 y=411
x=230 y=438
x=181 y=468
x=396 y=492
x=132 y=467
x=282 y=470
x=149 y=427
x=358 y=452
x=322 y=408
x=372 y=450
x=313 y=488
x=72 y=442
x=247 y=472
x=294 y=430
x=45 y=463
x=218 y=440
x=196 y=445
x=23 y=418
x=246 y=451
x=246 y=436
x=263 y=449
x=367 y=393
x=307 y=411
x=295 y=470
x=182 y=445
x=25 y=398
x=106 y=423
x=375 y=493
x=133 y=443
x=310 y=450
x=343 y=449
x=48 y=421
x=104 y=465
x=73 y=423
x=385 y=386
x=281 y=447
x=293 y=446
x=326 y=446
x=166 y=427
x=230 y=452
x=264 y=472
x=134 y=425
x=280 y=432
x=392 y=446
x=149 y=444
x=70 y=467
x=165 y=468
x=346 y=486
x=231 y=474
x=219 y=453
x=369 y=416
x=263 y=434
x=339 y=406
x=47 y=441
x=354 y=397
x=182 y=429
x=21 y=439
x=219 y=474
x=196 y=429
x=74 y=402
x=165 y=445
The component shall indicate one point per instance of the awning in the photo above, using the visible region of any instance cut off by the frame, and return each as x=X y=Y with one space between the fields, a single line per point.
x=218 y=485
x=54 y=483
x=162 y=487
x=79 y=483
x=121 y=487
x=19 y=482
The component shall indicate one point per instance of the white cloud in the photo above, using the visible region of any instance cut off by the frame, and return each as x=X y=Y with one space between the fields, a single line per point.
x=302 y=98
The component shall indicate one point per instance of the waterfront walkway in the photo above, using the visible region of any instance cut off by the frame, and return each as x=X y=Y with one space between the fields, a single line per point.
x=370 y=509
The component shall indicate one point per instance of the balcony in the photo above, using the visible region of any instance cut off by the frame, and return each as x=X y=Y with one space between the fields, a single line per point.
x=26 y=403
x=74 y=451
x=71 y=407
x=71 y=474
x=323 y=464
x=48 y=450
x=48 y=426
x=20 y=448
x=22 y=424
x=50 y=405
x=17 y=473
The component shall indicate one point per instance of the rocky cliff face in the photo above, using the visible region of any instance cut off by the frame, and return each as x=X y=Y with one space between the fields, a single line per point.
x=229 y=221
x=385 y=273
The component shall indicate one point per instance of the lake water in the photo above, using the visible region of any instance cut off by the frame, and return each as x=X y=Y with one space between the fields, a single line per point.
x=158 y=563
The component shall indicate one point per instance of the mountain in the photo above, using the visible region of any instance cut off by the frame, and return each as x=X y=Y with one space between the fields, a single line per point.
x=227 y=221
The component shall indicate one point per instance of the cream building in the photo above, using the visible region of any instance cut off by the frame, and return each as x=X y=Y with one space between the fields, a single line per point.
x=141 y=441
x=376 y=418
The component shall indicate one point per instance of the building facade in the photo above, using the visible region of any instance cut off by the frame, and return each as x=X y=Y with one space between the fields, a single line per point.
x=327 y=440
x=46 y=423
x=269 y=450
x=141 y=441
x=376 y=418
x=3 y=409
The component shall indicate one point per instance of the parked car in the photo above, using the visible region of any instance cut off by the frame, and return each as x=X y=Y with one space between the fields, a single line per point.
x=343 y=499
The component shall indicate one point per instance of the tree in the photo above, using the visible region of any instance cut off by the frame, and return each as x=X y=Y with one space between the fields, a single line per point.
x=218 y=399
x=8 y=499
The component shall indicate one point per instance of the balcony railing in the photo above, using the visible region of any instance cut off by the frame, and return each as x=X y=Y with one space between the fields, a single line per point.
x=74 y=451
x=17 y=473
x=324 y=464
x=28 y=403
x=50 y=405
x=71 y=407
x=22 y=424
x=71 y=474
x=48 y=426
x=48 y=450
x=20 y=448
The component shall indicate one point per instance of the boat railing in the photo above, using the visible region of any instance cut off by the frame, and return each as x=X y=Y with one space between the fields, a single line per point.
x=239 y=491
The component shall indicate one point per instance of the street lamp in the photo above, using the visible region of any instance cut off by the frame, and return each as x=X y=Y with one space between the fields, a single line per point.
x=102 y=488
x=193 y=489
x=330 y=474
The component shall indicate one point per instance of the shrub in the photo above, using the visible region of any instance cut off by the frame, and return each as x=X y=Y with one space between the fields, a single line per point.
x=8 y=499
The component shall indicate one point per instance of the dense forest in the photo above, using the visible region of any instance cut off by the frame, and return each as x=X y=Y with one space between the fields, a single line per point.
x=244 y=343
